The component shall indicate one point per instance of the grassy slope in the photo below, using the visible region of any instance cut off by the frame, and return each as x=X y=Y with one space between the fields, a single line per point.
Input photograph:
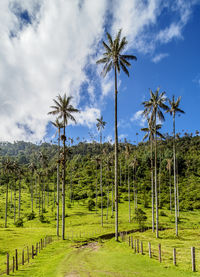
x=111 y=259
x=87 y=224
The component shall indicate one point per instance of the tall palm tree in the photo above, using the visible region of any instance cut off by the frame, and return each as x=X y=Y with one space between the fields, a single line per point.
x=114 y=59
x=7 y=166
x=168 y=167
x=63 y=108
x=33 y=168
x=59 y=125
x=173 y=110
x=153 y=109
x=100 y=126
x=150 y=131
x=127 y=155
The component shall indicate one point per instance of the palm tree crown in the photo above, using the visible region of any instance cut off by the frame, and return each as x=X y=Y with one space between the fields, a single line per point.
x=63 y=108
x=174 y=106
x=113 y=57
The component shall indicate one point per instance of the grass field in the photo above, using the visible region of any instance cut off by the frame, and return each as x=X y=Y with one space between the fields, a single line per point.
x=62 y=258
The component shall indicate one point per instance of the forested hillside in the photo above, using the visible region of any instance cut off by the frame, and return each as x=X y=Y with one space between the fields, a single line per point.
x=83 y=169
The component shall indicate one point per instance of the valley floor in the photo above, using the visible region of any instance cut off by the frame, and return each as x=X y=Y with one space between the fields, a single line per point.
x=99 y=258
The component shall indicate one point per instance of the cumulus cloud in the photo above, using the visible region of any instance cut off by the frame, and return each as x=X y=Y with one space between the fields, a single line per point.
x=159 y=57
x=46 y=47
x=138 y=118
x=42 y=58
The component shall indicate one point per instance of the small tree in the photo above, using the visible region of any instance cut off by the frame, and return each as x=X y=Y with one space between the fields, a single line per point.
x=140 y=217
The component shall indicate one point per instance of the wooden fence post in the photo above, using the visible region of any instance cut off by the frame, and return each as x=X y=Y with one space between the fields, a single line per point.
x=16 y=259
x=135 y=245
x=27 y=254
x=193 y=259
x=13 y=267
x=32 y=252
x=132 y=242
x=159 y=252
x=36 y=249
x=138 y=247
x=141 y=247
x=8 y=266
x=150 y=250
x=174 y=256
x=23 y=257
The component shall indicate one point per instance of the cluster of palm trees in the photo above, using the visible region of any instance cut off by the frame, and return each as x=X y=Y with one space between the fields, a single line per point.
x=64 y=110
x=153 y=111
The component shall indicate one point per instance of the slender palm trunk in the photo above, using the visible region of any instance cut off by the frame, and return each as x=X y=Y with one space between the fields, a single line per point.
x=175 y=188
x=39 y=200
x=170 y=191
x=11 y=193
x=58 y=183
x=156 y=192
x=112 y=193
x=129 y=197
x=96 y=187
x=32 y=193
x=116 y=162
x=134 y=189
x=101 y=186
x=63 y=185
x=152 y=185
x=19 y=205
x=159 y=182
x=6 y=208
x=15 y=202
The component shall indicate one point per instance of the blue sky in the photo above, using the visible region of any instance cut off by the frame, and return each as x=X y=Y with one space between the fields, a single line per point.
x=51 y=48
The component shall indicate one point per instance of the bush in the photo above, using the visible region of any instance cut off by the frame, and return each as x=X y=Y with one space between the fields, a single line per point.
x=31 y=216
x=43 y=219
x=19 y=222
x=90 y=204
x=140 y=217
x=162 y=213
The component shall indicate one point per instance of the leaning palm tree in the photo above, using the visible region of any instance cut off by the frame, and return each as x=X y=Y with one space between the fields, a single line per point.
x=63 y=108
x=100 y=126
x=150 y=131
x=59 y=125
x=153 y=110
x=173 y=110
x=113 y=59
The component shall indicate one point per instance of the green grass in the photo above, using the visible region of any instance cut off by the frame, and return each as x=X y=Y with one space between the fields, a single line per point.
x=82 y=225
x=106 y=259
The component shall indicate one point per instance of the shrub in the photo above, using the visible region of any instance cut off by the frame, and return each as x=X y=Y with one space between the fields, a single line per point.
x=90 y=204
x=19 y=222
x=31 y=216
x=43 y=219
x=162 y=213
x=140 y=217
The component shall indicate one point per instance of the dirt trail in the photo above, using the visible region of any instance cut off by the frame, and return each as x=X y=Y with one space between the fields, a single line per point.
x=79 y=269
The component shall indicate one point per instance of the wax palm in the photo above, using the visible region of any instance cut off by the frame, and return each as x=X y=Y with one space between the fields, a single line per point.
x=173 y=110
x=7 y=166
x=32 y=167
x=63 y=108
x=59 y=125
x=114 y=59
x=100 y=126
x=153 y=110
x=168 y=167
x=150 y=131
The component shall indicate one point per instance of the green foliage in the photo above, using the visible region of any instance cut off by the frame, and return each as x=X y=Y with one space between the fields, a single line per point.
x=31 y=216
x=19 y=222
x=140 y=217
x=91 y=204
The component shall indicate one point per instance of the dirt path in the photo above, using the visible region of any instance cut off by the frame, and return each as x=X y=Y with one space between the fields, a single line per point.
x=81 y=254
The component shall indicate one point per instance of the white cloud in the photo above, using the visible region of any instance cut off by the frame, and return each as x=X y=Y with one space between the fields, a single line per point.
x=139 y=118
x=51 y=55
x=88 y=116
x=44 y=58
x=159 y=57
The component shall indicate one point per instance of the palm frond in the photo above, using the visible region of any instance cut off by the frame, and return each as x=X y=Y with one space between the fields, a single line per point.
x=124 y=68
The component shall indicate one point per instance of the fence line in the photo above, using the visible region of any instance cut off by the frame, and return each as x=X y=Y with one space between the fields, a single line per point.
x=159 y=252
